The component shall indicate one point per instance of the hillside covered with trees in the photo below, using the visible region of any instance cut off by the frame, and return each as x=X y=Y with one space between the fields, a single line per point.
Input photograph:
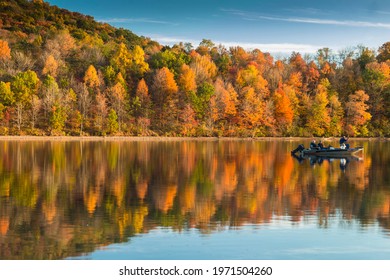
x=63 y=73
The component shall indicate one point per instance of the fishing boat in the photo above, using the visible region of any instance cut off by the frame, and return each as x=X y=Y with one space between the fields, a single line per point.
x=326 y=152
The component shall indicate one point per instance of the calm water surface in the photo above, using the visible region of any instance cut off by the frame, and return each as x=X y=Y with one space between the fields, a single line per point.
x=229 y=199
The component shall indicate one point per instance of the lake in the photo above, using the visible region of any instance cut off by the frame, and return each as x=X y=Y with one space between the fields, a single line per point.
x=191 y=199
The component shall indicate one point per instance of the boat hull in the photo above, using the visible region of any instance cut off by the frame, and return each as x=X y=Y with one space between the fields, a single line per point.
x=331 y=152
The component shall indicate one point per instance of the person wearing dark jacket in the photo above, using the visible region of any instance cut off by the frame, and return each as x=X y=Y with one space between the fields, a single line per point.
x=343 y=143
x=313 y=145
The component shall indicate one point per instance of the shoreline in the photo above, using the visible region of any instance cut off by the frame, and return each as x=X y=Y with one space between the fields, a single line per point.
x=173 y=139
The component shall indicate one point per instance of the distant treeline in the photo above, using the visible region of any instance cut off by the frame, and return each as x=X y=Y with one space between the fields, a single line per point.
x=63 y=73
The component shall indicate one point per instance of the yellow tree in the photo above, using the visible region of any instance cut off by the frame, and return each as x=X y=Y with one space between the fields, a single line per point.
x=356 y=114
x=292 y=95
x=91 y=79
x=250 y=76
x=50 y=67
x=141 y=106
x=226 y=102
x=143 y=97
x=187 y=85
x=295 y=80
x=319 y=120
x=130 y=62
x=121 y=60
x=186 y=79
x=119 y=79
x=284 y=113
x=138 y=64
x=204 y=68
x=164 y=94
x=118 y=100
x=251 y=109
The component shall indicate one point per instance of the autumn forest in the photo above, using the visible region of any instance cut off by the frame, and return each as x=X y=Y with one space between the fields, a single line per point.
x=63 y=73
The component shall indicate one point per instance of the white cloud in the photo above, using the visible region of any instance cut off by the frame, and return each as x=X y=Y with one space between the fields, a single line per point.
x=165 y=40
x=351 y=23
x=331 y=22
x=275 y=48
x=272 y=48
x=383 y=12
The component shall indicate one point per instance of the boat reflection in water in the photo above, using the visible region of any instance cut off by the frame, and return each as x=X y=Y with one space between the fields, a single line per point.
x=319 y=160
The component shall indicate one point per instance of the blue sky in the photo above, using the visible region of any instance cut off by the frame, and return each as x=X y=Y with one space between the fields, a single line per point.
x=270 y=25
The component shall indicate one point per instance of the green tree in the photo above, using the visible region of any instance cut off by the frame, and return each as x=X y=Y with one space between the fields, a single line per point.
x=376 y=78
x=57 y=119
x=25 y=89
x=201 y=101
x=50 y=94
x=6 y=98
x=384 y=52
x=336 y=114
x=365 y=56
x=6 y=95
x=109 y=75
x=112 y=122
x=173 y=59
x=205 y=46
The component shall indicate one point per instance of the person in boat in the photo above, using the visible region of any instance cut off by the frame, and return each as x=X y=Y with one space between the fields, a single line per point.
x=320 y=145
x=300 y=148
x=343 y=143
x=313 y=145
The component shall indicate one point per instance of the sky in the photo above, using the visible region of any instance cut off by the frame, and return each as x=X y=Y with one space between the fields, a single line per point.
x=276 y=26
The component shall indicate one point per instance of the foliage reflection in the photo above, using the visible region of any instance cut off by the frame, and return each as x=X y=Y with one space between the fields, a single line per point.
x=65 y=198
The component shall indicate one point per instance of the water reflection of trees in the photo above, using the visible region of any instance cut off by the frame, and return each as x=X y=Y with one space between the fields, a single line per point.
x=59 y=199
